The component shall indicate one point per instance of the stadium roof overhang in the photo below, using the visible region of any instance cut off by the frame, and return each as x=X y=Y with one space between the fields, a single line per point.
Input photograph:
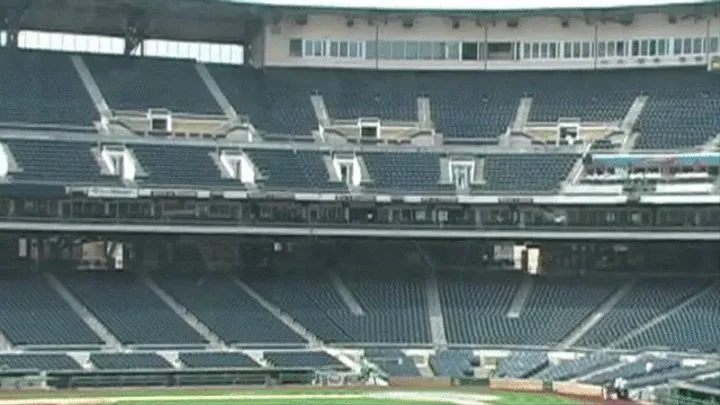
x=229 y=21
x=188 y=20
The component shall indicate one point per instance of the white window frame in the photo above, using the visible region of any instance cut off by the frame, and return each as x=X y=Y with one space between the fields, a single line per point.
x=467 y=168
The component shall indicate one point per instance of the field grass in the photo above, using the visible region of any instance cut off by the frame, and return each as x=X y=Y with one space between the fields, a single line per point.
x=282 y=396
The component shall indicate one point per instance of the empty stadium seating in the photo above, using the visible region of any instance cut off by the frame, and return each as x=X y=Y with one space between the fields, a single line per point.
x=131 y=83
x=42 y=88
x=174 y=165
x=451 y=363
x=394 y=308
x=393 y=361
x=521 y=364
x=37 y=361
x=303 y=359
x=695 y=326
x=405 y=171
x=600 y=96
x=128 y=361
x=636 y=369
x=229 y=312
x=216 y=360
x=129 y=309
x=31 y=313
x=297 y=169
x=526 y=172
x=648 y=299
x=471 y=105
x=56 y=161
x=566 y=370
x=273 y=99
x=681 y=111
x=710 y=382
x=475 y=308
x=670 y=375
x=410 y=172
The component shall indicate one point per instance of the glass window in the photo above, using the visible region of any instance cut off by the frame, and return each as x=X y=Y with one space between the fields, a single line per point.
x=697 y=48
x=516 y=50
x=586 y=49
x=438 y=50
x=644 y=47
x=652 y=47
x=343 y=49
x=334 y=49
x=469 y=51
x=536 y=50
x=635 y=50
x=318 y=48
x=398 y=50
x=677 y=46
x=354 y=51
x=621 y=48
x=544 y=50
x=576 y=49
x=384 y=50
x=567 y=50
x=713 y=44
x=411 y=50
x=526 y=50
x=296 y=46
x=687 y=46
x=371 y=50
x=453 y=50
x=425 y=50
x=601 y=49
x=460 y=175
x=662 y=47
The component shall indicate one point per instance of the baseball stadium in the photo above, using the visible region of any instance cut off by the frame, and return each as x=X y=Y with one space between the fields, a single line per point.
x=330 y=202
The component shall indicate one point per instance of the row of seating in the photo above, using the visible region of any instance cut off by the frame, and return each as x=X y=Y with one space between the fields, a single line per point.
x=393 y=361
x=475 y=308
x=151 y=360
x=644 y=366
x=394 y=310
x=452 y=363
x=391 y=308
x=43 y=87
x=566 y=370
x=522 y=364
x=192 y=166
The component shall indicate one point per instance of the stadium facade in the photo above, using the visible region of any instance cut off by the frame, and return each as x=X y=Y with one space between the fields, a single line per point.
x=525 y=194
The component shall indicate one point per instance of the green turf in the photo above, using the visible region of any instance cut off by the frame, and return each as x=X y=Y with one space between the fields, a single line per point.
x=288 y=402
x=503 y=398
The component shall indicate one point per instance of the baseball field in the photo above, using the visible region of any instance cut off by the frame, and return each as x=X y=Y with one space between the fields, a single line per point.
x=309 y=396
